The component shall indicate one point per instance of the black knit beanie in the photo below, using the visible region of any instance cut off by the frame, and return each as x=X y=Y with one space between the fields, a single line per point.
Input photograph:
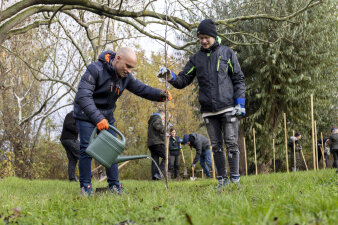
x=207 y=27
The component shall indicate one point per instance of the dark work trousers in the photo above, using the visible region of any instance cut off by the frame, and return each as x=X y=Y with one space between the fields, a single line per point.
x=157 y=151
x=72 y=148
x=219 y=127
x=299 y=163
x=85 y=131
x=174 y=165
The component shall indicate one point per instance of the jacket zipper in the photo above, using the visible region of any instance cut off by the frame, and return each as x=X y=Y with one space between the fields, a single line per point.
x=219 y=61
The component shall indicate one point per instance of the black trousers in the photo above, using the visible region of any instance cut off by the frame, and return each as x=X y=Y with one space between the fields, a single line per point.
x=72 y=148
x=157 y=152
x=174 y=165
x=299 y=162
x=335 y=158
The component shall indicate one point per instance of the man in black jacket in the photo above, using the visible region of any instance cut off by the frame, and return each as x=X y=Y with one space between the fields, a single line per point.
x=202 y=146
x=101 y=85
x=69 y=140
x=295 y=140
x=156 y=135
x=221 y=96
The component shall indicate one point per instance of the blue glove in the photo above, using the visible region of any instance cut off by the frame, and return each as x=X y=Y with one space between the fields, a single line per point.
x=239 y=109
x=166 y=73
x=193 y=165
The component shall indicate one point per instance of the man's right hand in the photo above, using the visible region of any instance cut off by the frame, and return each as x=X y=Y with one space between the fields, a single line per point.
x=165 y=73
x=103 y=124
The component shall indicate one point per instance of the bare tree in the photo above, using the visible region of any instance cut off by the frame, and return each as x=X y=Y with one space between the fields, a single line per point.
x=138 y=16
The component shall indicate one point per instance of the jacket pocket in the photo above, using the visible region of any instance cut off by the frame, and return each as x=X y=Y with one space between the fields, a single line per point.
x=110 y=93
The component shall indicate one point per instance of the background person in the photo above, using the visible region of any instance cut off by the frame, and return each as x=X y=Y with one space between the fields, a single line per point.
x=174 y=153
x=202 y=146
x=334 y=146
x=69 y=140
x=156 y=138
x=326 y=150
x=295 y=139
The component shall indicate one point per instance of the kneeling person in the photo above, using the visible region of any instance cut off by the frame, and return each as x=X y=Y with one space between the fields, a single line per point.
x=202 y=146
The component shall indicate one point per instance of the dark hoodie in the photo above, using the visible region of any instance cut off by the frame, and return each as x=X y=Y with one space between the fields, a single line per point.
x=101 y=86
x=69 y=130
x=155 y=130
x=200 y=143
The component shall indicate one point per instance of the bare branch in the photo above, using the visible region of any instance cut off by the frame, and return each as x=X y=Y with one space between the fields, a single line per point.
x=26 y=28
x=269 y=17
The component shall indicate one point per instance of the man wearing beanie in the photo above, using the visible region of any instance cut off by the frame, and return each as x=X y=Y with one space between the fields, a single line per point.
x=221 y=96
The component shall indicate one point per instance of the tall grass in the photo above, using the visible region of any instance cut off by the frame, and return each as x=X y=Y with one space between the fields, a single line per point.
x=295 y=198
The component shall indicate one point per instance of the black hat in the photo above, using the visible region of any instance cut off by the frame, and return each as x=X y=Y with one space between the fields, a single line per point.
x=207 y=27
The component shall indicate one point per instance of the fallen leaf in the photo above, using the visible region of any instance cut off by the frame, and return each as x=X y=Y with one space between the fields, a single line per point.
x=126 y=222
x=188 y=218
x=16 y=211
x=155 y=208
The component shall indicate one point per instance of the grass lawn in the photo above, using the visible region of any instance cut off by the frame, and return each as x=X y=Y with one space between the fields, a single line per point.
x=295 y=198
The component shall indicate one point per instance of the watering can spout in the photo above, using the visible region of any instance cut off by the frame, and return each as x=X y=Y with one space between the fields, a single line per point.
x=120 y=159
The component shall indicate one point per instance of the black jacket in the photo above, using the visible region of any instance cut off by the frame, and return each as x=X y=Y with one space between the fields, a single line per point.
x=69 y=130
x=174 y=146
x=200 y=143
x=219 y=77
x=334 y=141
x=100 y=87
x=155 y=130
x=290 y=144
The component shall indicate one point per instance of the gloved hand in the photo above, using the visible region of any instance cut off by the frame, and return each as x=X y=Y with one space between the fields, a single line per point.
x=166 y=73
x=165 y=95
x=103 y=124
x=239 y=109
x=193 y=165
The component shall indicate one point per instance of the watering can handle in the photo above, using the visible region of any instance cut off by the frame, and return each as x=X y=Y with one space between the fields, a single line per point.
x=94 y=134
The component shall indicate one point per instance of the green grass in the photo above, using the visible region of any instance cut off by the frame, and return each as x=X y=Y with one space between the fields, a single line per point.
x=295 y=198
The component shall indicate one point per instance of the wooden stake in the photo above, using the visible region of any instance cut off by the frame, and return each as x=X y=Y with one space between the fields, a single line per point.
x=307 y=169
x=167 y=162
x=313 y=135
x=322 y=149
x=294 y=151
x=192 y=168
x=246 y=163
x=316 y=141
x=286 y=145
x=185 y=171
x=254 y=139
x=119 y=167
x=191 y=156
x=96 y=169
x=212 y=161
x=274 y=155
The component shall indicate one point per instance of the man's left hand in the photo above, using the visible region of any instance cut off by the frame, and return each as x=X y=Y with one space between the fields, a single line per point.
x=193 y=165
x=165 y=95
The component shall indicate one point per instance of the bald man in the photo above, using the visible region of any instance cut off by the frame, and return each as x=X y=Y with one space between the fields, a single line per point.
x=101 y=85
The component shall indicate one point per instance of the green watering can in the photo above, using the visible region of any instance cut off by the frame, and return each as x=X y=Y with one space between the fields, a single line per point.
x=106 y=148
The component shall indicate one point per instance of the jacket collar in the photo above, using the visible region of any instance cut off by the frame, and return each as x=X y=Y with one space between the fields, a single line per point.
x=213 y=47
